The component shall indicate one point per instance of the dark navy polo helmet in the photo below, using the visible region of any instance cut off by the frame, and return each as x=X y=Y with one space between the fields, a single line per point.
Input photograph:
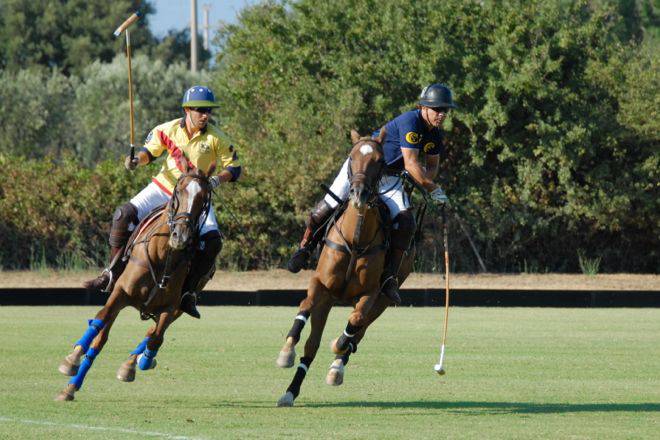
x=199 y=96
x=436 y=95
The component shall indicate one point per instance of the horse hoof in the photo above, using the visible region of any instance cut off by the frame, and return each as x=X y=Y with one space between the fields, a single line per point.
x=68 y=367
x=66 y=395
x=286 y=400
x=126 y=372
x=335 y=349
x=335 y=376
x=286 y=359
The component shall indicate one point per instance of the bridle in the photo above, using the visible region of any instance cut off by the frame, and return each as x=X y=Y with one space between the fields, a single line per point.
x=186 y=218
x=372 y=186
x=355 y=251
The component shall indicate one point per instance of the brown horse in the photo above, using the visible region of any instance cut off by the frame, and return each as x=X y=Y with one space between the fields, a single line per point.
x=159 y=261
x=349 y=268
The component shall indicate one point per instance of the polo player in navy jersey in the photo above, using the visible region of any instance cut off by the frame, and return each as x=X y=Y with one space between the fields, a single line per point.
x=407 y=136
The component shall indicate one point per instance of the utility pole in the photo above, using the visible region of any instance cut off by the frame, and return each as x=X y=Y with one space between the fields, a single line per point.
x=193 y=36
x=205 y=26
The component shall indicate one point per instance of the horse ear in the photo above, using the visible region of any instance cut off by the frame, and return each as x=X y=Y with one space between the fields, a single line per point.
x=355 y=136
x=381 y=136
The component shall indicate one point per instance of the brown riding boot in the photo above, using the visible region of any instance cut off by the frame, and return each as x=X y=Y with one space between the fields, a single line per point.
x=313 y=234
x=106 y=281
x=390 y=280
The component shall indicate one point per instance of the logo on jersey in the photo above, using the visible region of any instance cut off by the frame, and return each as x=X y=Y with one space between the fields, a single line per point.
x=149 y=136
x=413 y=138
x=204 y=148
x=428 y=147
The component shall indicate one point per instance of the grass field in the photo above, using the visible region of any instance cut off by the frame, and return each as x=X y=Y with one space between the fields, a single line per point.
x=511 y=373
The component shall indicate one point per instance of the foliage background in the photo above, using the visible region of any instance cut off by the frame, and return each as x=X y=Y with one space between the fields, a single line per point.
x=552 y=155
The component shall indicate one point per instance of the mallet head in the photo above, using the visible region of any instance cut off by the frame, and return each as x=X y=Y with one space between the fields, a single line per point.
x=438 y=369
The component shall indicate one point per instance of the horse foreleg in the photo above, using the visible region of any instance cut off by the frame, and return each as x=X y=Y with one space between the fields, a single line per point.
x=319 y=316
x=287 y=355
x=126 y=372
x=335 y=376
x=356 y=322
x=147 y=359
x=91 y=344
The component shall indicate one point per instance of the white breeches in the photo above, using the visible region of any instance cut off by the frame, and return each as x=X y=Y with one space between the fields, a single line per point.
x=152 y=196
x=390 y=189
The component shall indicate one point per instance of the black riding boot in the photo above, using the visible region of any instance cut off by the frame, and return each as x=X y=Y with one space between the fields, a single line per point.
x=400 y=240
x=202 y=269
x=390 y=280
x=312 y=236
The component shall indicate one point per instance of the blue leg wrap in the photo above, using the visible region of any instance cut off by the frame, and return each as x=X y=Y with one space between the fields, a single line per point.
x=141 y=346
x=86 y=364
x=95 y=326
x=147 y=359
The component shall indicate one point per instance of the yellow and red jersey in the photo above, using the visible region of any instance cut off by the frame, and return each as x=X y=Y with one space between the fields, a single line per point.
x=207 y=148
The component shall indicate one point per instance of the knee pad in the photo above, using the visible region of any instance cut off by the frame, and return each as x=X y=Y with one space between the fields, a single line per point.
x=123 y=217
x=404 y=230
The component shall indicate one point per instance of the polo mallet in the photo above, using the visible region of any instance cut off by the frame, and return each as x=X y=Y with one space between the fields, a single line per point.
x=124 y=27
x=439 y=366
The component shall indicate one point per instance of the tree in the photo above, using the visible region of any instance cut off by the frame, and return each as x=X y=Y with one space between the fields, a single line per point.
x=67 y=35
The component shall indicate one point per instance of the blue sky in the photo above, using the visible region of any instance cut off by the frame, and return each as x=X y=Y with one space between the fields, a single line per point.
x=175 y=14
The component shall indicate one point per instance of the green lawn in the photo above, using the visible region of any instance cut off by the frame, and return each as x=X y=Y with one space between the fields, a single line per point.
x=511 y=373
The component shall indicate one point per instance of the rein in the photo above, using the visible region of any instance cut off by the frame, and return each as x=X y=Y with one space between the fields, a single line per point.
x=355 y=251
x=173 y=219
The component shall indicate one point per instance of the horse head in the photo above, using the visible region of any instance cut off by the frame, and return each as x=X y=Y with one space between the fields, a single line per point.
x=366 y=165
x=189 y=206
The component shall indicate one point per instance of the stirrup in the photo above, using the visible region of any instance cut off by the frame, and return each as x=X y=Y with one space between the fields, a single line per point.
x=299 y=260
x=390 y=288
x=189 y=304
x=101 y=283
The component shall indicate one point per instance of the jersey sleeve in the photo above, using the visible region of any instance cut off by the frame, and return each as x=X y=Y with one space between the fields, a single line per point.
x=436 y=144
x=153 y=143
x=410 y=134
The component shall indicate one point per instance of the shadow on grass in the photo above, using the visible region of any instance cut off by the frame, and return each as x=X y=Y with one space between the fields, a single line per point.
x=470 y=408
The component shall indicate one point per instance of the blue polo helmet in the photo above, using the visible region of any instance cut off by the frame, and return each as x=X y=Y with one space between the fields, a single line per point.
x=199 y=96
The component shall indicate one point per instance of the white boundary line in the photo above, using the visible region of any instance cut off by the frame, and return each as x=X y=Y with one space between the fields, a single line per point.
x=97 y=428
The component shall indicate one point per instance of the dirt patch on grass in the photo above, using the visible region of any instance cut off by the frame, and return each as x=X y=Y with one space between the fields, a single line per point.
x=281 y=279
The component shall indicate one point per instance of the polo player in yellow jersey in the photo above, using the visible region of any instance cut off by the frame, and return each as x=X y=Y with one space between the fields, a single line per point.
x=204 y=146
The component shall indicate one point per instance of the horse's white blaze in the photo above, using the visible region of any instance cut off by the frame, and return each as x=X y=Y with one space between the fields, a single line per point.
x=192 y=189
x=366 y=149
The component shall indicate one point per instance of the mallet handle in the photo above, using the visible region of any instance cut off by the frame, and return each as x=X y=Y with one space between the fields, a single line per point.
x=129 y=21
x=130 y=91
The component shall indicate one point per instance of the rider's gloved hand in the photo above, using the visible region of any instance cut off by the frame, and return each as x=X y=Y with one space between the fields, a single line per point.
x=214 y=181
x=131 y=164
x=439 y=196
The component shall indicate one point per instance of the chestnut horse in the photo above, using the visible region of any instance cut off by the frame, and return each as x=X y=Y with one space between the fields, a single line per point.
x=349 y=268
x=160 y=256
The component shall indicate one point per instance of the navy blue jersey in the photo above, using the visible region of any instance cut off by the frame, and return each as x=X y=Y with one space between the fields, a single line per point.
x=409 y=131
